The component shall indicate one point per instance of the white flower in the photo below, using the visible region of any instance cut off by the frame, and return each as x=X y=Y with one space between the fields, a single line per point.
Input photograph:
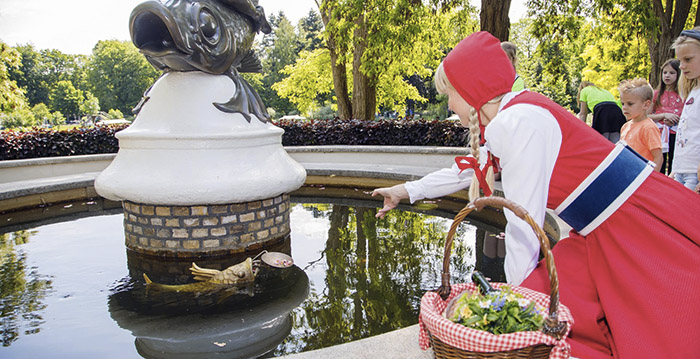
x=523 y=302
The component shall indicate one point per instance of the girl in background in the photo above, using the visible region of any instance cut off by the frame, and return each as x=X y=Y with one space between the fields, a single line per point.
x=512 y=51
x=607 y=114
x=686 y=159
x=666 y=110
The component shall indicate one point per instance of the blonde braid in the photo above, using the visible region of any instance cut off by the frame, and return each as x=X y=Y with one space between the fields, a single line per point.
x=475 y=144
x=474 y=137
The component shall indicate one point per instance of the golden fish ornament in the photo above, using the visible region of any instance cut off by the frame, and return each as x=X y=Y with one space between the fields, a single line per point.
x=209 y=279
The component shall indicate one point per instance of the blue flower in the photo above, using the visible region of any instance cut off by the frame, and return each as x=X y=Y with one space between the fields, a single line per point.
x=498 y=303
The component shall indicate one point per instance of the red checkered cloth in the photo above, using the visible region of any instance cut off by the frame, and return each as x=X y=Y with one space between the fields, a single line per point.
x=465 y=338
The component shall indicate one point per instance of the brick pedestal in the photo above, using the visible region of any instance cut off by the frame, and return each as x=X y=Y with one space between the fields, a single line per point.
x=206 y=230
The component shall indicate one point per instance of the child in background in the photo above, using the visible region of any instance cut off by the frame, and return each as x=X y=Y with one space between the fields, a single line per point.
x=666 y=110
x=607 y=115
x=512 y=52
x=640 y=132
x=686 y=159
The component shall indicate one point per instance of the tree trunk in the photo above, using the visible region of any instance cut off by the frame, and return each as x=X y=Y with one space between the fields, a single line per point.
x=671 y=22
x=494 y=18
x=340 y=78
x=340 y=86
x=364 y=93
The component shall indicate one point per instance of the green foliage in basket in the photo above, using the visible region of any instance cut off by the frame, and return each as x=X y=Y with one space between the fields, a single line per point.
x=499 y=312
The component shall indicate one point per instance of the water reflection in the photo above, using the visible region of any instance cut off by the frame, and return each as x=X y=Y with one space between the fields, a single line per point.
x=492 y=254
x=22 y=290
x=375 y=272
x=243 y=322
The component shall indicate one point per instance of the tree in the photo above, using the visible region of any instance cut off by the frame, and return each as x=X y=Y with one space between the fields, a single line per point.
x=119 y=75
x=283 y=50
x=28 y=75
x=655 y=21
x=11 y=96
x=90 y=104
x=67 y=99
x=380 y=43
x=311 y=31
x=307 y=79
x=19 y=117
x=494 y=18
x=115 y=114
x=42 y=115
x=41 y=70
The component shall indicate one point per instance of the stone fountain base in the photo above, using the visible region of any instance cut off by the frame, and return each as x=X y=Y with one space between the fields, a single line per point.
x=205 y=230
x=197 y=181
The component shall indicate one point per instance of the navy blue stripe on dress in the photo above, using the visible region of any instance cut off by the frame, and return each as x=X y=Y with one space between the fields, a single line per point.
x=605 y=189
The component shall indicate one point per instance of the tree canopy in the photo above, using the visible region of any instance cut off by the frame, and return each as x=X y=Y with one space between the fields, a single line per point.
x=358 y=59
x=11 y=95
x=119 y=75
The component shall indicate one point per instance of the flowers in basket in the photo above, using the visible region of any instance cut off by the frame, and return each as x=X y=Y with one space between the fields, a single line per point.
x=498 y=311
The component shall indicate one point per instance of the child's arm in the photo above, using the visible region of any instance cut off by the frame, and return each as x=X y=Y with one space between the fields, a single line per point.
x=583 y=113
x=669 y=119
x=658 y=159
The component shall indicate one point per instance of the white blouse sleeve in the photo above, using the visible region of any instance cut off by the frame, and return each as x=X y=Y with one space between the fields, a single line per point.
x=439 y=183
x=526 y=138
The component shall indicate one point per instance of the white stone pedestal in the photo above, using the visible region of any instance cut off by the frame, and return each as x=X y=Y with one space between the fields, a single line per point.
x=181 y=150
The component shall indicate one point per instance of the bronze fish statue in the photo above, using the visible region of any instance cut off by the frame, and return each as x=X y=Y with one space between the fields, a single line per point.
x=212 y=279
x=212 y=36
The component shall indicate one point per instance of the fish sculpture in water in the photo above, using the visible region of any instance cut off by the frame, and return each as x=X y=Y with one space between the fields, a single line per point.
x=212 y=36
x=212 y=279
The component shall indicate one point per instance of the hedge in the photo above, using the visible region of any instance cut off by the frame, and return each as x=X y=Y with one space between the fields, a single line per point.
x=39 y=142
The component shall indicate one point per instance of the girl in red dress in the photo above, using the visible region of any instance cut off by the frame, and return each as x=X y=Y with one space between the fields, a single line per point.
x=630 y=269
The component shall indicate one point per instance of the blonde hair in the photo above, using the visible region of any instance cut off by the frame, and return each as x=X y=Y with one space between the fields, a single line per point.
x=443 y=85
x=638 y=86
x=511 y=50
x=581 y=86
x=686 y=85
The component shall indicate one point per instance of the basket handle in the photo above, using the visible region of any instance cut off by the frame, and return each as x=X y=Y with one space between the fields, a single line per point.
x=552 y=326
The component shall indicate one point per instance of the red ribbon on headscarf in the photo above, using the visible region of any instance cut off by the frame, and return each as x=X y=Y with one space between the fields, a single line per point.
x=473 y=163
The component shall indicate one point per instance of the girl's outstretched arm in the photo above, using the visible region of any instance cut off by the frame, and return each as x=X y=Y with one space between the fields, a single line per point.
x=392 y=197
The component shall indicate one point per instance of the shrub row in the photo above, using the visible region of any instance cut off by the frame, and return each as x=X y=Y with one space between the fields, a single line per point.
x=40 y=142
x=386 y=132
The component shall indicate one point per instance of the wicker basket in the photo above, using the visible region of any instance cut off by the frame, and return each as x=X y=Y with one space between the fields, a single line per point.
x=552 y=326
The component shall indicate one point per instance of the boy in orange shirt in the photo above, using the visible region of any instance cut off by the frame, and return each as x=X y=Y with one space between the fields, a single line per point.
x=640 y=132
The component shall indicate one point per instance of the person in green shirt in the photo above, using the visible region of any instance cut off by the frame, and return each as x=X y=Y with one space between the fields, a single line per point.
x=607 y=113
x=512 y=51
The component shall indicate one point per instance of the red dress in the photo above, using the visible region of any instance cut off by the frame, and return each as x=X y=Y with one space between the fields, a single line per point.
x=633 y=283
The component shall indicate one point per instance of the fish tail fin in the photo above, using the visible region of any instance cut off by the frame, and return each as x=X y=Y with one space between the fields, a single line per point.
x=148 y=280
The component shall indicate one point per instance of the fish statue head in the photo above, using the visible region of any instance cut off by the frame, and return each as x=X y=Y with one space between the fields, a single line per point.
x=213 y=36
